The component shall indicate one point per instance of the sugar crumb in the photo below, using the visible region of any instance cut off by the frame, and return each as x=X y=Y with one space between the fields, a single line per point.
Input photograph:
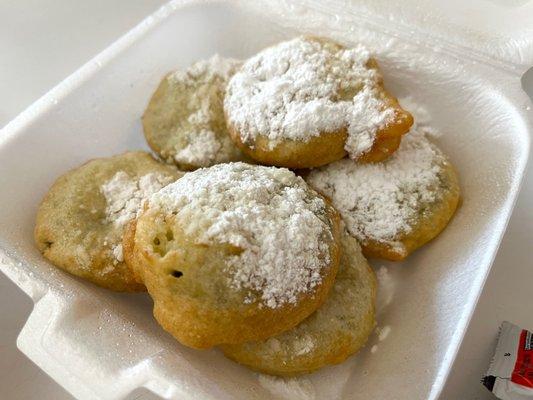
x=108 y=269
x=387 y=289
x=118 y=253
x=304 y=345
x=288 y=388
x=383 y=333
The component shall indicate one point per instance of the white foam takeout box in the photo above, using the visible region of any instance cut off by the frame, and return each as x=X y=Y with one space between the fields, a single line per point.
x=104 y=345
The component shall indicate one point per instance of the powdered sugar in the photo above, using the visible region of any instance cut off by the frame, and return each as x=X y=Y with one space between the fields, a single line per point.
x=201 y=150
x=269 y=213
x=124 y=195
x=295 y=347
x=206 y=70
x=383 y=332
x=387 y=289
x=367 y=116
x=288 y=388
x=118 y=253
x=381 y=201
x=422 y=117
x=205 y=83
x=304 y=345
x=304 y=88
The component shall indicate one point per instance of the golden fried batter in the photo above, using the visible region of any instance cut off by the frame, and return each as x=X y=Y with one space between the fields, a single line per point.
x=234 y=253
x=184 y=121
x=396 y=206
x=310 y=101
x=338 y=329
x=78 y=230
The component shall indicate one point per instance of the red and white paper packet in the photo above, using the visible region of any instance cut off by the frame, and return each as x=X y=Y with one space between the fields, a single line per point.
x=510 y=375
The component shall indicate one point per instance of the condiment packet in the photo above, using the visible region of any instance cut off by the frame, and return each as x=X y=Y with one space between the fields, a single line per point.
x=510 y=374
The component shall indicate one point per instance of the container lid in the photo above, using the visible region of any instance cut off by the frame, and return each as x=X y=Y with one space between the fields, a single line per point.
x=500 y=30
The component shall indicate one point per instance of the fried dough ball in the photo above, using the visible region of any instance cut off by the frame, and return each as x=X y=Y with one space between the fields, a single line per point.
x=184 y=121
x=81 y=219
x=234 y=253
x=394 y=207
x=310 y=101
x=338 y=329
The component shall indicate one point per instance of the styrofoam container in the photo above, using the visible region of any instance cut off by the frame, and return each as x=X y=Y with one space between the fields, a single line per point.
x=465 y=71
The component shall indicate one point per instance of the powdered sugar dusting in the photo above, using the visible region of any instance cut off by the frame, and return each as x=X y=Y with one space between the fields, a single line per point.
x=118 y=252
x=270 y=213
x=214 y=67
x=288 y=388
x=381 y=201
x=387 y=289
x=124 y=195
x=383 y=332
x=304 y=88
x=205 y=144
x=201 y=150
x=422 y=117
x=366 y=118
x=304 y=345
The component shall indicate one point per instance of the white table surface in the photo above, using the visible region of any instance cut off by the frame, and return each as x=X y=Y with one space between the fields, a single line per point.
x=43 y=41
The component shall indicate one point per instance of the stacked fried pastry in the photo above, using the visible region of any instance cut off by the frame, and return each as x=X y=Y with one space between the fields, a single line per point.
x=241 y=252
